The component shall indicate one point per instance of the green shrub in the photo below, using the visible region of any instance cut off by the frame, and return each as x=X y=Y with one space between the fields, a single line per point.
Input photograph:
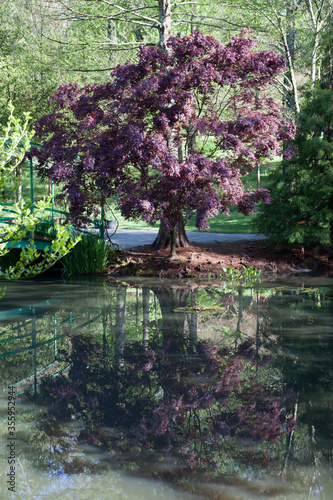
x=89 y=256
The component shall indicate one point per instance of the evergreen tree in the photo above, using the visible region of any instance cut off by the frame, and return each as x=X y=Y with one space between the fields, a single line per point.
x=302 y=190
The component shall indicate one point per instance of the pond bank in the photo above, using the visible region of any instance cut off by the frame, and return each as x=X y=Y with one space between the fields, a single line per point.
x=208 y=259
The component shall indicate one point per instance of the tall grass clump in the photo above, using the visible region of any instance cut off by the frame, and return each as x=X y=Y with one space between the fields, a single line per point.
x=89 y=256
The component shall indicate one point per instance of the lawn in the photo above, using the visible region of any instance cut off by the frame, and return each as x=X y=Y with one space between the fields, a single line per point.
x=235 y=223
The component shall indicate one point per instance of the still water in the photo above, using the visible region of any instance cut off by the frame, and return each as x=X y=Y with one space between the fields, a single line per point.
x=163 y=389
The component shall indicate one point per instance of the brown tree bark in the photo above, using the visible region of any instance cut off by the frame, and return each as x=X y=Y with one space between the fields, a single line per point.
x=177 y=237
x=165 y=238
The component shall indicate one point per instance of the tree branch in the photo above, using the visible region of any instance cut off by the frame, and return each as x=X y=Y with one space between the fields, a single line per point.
x=128 y=11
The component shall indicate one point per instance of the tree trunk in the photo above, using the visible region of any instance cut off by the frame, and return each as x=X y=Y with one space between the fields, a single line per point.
x=164 y=8
x=289 y=43
x=330 y=206
x=19 y=181
x=314 y=59
x=258 y=175
x=120 y=327
x=173 y=324
x=164 y=237
x=112 y=36
x=193 y=321
x=240 y=313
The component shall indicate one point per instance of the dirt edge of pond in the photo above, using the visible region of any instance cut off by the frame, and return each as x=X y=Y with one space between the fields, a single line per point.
x=208 y=259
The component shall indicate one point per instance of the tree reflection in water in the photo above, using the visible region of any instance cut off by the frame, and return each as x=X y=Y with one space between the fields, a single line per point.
x=170 y=406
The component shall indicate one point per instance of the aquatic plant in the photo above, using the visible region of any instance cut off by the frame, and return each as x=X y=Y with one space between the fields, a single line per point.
x=90 y=256
x=247 y=277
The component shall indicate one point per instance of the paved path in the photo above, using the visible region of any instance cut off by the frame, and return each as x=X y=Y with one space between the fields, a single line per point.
x=128 y=238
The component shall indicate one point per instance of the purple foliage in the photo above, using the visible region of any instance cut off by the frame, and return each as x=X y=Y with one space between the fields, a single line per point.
x=143 y=136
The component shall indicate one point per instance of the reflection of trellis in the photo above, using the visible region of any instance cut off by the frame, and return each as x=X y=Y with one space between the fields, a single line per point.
x=31 y=315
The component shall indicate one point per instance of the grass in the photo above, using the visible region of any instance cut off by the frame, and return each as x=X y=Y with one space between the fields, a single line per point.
x=235 y=223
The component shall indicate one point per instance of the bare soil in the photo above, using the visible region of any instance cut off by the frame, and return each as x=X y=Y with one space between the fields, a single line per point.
x=208 y=260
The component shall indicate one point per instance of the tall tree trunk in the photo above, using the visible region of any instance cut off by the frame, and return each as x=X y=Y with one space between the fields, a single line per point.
x=314 y=59
x=19 y=181
x=240 y=314
x=330 y=206
x=289 y=40
x=328 y=78
x=193 y=321
x=164 y=238
x=112 y=36
x=164 y=7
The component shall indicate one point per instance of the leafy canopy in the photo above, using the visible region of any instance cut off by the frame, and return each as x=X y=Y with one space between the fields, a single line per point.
x=170 y=135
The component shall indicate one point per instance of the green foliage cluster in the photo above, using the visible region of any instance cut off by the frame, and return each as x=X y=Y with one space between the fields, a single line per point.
x=31 y=261
x=14 y=142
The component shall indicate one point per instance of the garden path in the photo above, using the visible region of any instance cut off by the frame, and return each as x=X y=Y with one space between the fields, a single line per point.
x=130 y=238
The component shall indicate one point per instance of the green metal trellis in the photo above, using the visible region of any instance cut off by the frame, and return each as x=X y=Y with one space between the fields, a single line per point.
x=40 y=244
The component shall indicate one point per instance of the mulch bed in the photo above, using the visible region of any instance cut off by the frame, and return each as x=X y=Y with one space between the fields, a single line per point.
x=205 y=260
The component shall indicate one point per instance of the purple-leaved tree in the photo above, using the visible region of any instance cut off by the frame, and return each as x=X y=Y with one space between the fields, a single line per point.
x=169 y=136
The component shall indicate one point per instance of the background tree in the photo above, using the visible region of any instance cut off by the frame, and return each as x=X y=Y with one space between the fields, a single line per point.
x=296 y=30
x=45 y=43
x=27 y=75
x=170 y=135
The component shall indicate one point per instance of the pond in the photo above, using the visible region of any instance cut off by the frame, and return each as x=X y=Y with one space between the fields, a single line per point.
x=143 y=389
